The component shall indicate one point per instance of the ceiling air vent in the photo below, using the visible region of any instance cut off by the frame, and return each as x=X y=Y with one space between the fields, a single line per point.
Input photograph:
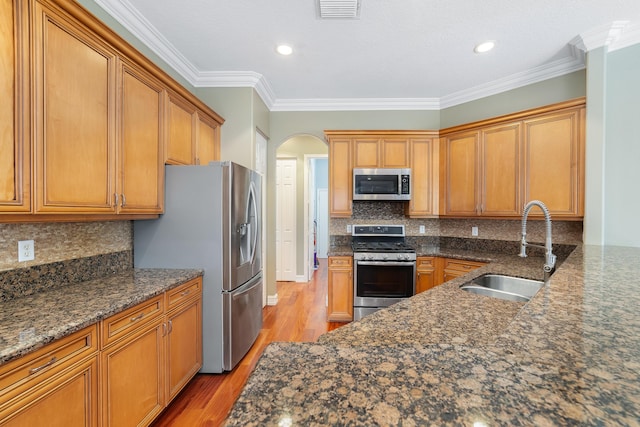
x=332 y=9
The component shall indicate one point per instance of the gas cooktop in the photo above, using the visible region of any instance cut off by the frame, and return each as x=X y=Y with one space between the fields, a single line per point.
x=379 y=238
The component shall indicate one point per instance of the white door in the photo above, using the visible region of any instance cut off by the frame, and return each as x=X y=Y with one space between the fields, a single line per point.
x=286 y=220
x=322 y=213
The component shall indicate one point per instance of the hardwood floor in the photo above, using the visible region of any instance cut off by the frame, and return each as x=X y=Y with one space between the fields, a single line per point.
x=299 y=316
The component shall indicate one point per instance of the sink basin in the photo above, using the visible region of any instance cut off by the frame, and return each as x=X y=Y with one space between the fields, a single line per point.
x=503 y=287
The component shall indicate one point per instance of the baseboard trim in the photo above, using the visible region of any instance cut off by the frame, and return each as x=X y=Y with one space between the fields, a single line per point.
x=272 y=299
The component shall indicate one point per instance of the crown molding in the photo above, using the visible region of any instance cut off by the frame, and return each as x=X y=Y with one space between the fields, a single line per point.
x=358 y=104
x=616 y=35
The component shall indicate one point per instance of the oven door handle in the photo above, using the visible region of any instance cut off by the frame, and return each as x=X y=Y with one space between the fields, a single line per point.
x=387 y=263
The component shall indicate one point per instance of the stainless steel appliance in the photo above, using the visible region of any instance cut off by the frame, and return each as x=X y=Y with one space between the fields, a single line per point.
x=384 y=267
x=212 y=222
x=381 y=184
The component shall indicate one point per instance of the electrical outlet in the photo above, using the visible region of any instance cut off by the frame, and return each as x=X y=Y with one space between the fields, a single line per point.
x=348 y=228
x=474 y=231
x=421 y=229
x=26 y=251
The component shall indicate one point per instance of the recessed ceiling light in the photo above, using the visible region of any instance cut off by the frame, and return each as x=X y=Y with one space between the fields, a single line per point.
x=484 y=46
x=284 y=49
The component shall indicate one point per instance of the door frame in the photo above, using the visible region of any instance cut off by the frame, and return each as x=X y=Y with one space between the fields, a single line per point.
x=309 y=203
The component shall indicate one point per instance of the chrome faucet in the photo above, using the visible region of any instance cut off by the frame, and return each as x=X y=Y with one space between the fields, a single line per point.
x=550 y=258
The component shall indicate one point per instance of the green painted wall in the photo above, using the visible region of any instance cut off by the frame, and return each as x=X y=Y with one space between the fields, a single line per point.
x=547 y=92
x=622 y=148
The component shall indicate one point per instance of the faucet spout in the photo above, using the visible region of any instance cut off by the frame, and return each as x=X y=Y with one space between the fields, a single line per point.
x=550 y=258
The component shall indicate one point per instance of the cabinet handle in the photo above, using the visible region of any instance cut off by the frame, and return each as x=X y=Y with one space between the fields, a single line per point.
x=124 y=200
x=185 y=293
x=46 y=365
x=136 y=318
x=164 y=329
x=117 y=198
x=170 y=326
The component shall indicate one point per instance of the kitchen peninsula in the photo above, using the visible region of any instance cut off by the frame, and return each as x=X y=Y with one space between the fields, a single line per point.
x=569 y=356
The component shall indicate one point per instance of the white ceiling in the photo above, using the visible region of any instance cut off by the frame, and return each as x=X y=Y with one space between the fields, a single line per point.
x=409 y=54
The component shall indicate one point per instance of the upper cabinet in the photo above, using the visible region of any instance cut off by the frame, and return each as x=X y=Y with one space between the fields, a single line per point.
x=417 y=150
x=75 y=110
x=99 y=118
x=493 y=168
x=15 y=148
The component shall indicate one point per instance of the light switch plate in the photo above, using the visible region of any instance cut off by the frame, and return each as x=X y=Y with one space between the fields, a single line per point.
x=421 y=231
x=26 y=251
x=474 y=231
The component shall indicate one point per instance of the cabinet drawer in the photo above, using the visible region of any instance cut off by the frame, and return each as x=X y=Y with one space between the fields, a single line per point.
x=425 y=263
x=342 y=261
x=462 y=265
x=21 y=374
x=123 y=323
x=184 y=292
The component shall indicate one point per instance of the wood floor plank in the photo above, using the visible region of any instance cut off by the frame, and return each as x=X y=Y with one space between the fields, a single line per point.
x=299 y=316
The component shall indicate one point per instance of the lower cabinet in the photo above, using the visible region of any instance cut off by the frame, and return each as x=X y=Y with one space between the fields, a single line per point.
x=340 y=289
x=122 y=371
x=64 y=374
x=456 y=267
x=425 y=273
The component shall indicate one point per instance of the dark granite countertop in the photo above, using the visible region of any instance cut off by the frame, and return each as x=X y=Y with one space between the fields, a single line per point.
x=29 y=322
x=570 y=356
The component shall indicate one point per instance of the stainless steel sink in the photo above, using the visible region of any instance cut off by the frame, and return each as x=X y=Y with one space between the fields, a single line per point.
x=503 y=287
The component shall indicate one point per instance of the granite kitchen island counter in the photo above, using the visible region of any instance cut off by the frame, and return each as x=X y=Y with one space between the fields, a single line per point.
x=31 y=321
x=570 y=356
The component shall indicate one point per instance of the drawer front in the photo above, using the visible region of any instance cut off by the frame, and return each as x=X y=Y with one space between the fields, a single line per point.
x=462 y=265
x=21 y=374
x=122 y=324
x=185 y=292
x=342 y=261
x=425 y=263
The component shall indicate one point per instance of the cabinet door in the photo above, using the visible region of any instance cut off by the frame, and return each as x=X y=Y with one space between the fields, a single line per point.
x=208 y=140
x=76 y=390
x=461 y=174
x=184 y=346
x=75 y=110
x=425 y=274
x=15 y=159
x=424 y=179
x=501 y=189
x=141 y=153
x=366 y=153
x=554 y=159
x=340 y=289
x=132 y=380
x=181 y=134
x=340 y=178
x=395 y=153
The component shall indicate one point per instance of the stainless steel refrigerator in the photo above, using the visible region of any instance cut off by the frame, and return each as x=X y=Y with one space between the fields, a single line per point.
x=212 y=222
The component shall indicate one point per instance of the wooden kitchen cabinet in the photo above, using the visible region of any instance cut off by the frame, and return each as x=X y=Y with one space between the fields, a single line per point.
x=378 y=152
x=15 y=150
x=554 y=162
x=184 y=335
x=492 y=168
x=340 y=289
x=140 y=172
x=395 y=152
x=482 y=172
x=75 y=105
x=366 y=152
x=424 y=177
x=63 y=374
x=340 y=177
x=207 y=140
x=181 y=124
x=453 y=268
x=133 y=365
x=425 y=273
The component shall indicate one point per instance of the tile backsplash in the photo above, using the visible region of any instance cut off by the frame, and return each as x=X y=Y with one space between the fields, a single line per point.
x=566 y=232
x=54 y=242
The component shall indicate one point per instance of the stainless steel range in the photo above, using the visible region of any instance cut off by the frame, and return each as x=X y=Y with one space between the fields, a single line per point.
x=384 y=268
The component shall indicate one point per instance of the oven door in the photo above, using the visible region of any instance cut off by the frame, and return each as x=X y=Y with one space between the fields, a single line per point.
x=382 y=283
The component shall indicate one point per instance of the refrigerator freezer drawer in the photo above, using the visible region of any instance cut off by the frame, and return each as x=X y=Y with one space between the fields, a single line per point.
x=242 y=310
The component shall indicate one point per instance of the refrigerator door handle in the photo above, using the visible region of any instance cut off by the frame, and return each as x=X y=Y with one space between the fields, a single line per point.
x=253 y=233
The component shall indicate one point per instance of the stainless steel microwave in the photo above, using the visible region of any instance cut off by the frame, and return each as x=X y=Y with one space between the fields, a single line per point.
x=381 y=184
